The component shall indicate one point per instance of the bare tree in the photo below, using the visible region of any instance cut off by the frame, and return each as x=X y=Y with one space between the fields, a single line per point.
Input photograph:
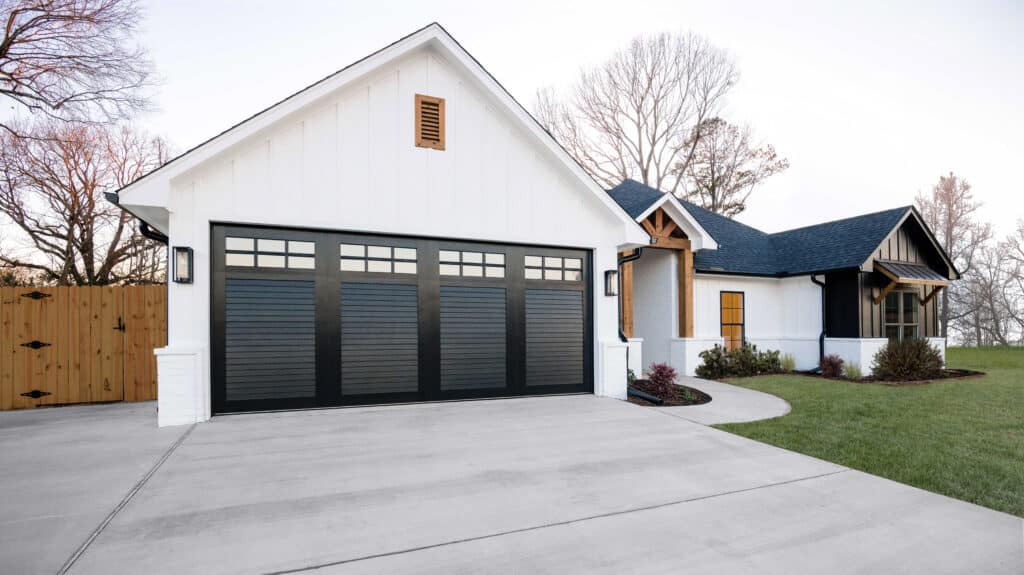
x=51 y=191
x=951 y=212
x=727 y=165
x=634 y=115
x=72 y=59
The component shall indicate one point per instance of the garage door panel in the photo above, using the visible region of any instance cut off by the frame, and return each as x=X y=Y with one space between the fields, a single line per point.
x=555 y=335
x=473 y=338
x=379 y=338
x=272 y=366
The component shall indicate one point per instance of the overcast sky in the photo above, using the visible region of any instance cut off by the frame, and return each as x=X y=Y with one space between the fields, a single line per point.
x=870 y=101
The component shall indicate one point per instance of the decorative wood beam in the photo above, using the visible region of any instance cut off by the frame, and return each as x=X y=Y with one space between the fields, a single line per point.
x=659 y=221
x=650 y=228
x=935 y=291
x=670 y=226
x=670 y=243
x=885 y=292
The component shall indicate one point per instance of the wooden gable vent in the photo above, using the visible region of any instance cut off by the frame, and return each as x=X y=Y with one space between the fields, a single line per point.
x=429 y=122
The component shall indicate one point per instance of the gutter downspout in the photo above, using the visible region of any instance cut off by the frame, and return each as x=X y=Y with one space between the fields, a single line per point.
x=144 y=228
x=821 y=337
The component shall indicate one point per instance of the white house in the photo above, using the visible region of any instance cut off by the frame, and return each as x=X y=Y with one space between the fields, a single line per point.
x=403 y=230
x=844 y=287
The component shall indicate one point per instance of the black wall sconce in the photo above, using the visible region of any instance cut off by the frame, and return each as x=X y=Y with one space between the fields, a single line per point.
x=611 y=282
x=182 y=265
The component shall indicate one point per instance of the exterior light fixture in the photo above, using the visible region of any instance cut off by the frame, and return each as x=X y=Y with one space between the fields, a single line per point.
x=182 y=265
x=611 y=282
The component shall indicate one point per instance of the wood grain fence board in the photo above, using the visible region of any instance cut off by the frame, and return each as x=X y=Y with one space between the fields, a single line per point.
x=89 y=359
x=6 y=348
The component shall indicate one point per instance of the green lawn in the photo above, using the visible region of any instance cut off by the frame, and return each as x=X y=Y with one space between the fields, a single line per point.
x=962 y=438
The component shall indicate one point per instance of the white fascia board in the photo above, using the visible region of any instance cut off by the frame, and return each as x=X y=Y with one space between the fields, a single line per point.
x=433 y=36
x=700 y=239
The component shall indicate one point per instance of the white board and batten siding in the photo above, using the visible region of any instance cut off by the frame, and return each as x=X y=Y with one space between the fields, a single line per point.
x=348 y=162
x=779 y=314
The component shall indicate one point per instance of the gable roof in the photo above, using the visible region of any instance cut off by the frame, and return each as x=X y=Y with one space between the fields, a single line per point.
x=639 y=201
x=841 y=244
x=150 y=204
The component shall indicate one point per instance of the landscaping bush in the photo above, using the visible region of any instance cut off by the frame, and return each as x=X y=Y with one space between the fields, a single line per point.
x=743 y=361
x=907 y=360
x=831 y=366
x=852 y=371
x=662 y=376
x=788 y=362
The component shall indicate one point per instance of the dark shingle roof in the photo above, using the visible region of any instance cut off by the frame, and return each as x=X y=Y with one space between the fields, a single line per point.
x=634 y=197
x=835 y=245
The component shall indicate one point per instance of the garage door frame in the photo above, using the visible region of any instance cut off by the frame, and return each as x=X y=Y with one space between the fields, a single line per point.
x=328 y=280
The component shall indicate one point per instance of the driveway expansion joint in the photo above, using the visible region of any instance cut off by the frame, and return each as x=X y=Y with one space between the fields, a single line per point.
x=548 y=525
x=124 y=501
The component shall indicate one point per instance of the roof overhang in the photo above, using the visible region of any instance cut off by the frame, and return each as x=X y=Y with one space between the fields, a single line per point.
x=912 y=212
x=700 y=239
x=910 y=273
x=147 y=197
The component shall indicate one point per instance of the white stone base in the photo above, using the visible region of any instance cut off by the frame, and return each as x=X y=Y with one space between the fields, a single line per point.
x=803 y=349
x=939 y=343
x=685 y=352
x=182 y=390
x=612 y=379
x=855 y=350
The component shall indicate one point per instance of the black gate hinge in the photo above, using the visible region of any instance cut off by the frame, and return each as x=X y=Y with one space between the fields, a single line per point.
x=35 y=344
x=120 y=324
x=35 y=394
x=36 y=295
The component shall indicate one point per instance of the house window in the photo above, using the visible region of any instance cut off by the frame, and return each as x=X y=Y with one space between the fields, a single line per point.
x=902 y=315
x=733 y=326
x=377 y=259
x=555 y=269
x=269 y=253
x=471 y=264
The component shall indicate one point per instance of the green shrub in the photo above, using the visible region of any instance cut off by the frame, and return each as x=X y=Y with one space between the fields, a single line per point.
x=907 y=360
x=852 y=371
x=714 y=363
x=743 y=361
x=788 y=362
x=831 y=365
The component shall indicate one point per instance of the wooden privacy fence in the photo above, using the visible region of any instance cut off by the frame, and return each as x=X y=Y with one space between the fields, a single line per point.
x=62 y=345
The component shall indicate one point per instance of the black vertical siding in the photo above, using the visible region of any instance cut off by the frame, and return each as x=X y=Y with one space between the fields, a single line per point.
x=379 y=338
x=269 y=350
x=473 y=338
x=554 y=337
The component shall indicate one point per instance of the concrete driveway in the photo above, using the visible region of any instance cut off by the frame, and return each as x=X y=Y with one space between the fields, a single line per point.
x=550 y=485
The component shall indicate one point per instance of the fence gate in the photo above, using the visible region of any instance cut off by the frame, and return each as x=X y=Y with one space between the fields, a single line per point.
x=65 y=345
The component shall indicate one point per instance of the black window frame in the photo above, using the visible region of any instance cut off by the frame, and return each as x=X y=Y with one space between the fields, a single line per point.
x=901 y=324
x=743 y=316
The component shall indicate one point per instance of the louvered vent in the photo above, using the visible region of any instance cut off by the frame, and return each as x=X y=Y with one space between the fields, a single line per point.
x=429 y=122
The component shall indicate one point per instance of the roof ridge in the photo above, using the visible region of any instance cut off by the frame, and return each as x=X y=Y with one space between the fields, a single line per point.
x=836 y=221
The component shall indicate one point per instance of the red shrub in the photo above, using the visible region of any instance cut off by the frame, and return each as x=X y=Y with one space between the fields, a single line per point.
x=662 y=376
x=832 y=366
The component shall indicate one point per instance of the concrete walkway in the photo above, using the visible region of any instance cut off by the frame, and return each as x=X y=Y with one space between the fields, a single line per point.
x=535 y=485
x=729 y=404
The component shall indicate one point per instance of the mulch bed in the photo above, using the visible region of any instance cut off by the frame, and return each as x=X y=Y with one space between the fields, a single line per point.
x=945 y=374
x=678 y=395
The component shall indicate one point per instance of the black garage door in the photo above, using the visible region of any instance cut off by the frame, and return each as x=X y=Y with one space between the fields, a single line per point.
x=308 y=319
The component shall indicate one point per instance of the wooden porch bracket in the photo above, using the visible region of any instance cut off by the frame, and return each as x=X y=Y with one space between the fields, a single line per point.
x=935 y=291
x=885 y=292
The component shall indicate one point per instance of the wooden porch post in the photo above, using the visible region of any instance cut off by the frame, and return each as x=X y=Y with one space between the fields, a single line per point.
x=684 y=258
x=626 y=296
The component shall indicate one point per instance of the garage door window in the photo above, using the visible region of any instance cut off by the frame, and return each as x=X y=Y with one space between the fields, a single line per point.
x=471 y=264
x=269 y=253
x=554 y=269
x=377 y=259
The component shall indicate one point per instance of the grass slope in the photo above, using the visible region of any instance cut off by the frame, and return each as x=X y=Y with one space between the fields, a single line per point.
x=961 y=438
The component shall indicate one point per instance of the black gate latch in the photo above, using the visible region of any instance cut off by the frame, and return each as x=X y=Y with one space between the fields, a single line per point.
x=120 y=324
